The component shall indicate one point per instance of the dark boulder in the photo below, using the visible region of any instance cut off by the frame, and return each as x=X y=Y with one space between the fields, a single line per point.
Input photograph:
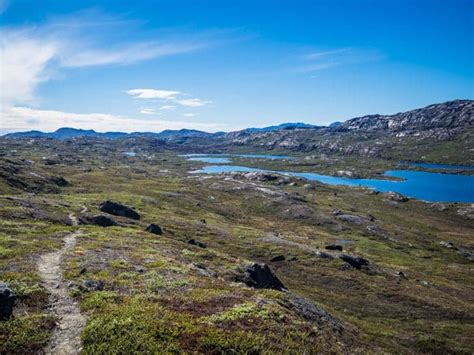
x=7 y=301
x=355 y=261
x=334 y=247
x=260 y=276
x=155 y=229
x=118 y=209
x=197 y=243
x=99 y=220
x=92 y=285
x=278 y=258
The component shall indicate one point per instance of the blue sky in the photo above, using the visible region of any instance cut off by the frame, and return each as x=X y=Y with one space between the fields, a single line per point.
x=226 y=65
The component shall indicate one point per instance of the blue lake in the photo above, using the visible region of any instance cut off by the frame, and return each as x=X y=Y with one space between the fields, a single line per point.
x=426 y=186
x=440 y=166
x=225 y=158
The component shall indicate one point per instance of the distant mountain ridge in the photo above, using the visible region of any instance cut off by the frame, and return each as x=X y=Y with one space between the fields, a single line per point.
x=441 y=119
x=168 y=134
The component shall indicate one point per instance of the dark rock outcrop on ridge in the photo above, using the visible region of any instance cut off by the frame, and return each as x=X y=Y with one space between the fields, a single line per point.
x=117 y=209
x=260 y=276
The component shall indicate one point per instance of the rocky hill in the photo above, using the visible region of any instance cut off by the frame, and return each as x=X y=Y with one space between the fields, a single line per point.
x=438 y=133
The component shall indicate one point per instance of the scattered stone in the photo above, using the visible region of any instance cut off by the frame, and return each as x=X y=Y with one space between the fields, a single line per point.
x=7 y=301
x=82 y=271
x=324 y=255
x=203 y=221
x=466 y=212
x=439 y=206
x=466 y=253
x=92 y=285
x=355 y=261
x=334 y=247
x=349 y=218
x=278 y=258
x=309 y=311
x=197 y=243
x=260 y=276
x=298 y=212
x=402 y=275
x=448 y=245
x=155 y=229
x=99 y=220
x=118 y=209
x=395 y=196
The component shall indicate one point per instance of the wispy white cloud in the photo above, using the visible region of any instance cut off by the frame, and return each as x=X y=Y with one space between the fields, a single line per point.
x=167 y=107
x=23 y=63
x=321 y=60
x=193 y=102
x=174 y=96
x=29 y=55
x=128 y=54
x=189 y=114
x=322 y=54
x=25 y=118
x=153 y=94
x=148 y=111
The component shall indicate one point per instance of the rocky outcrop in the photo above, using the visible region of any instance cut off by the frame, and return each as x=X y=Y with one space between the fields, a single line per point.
x=7 y=301
x=117 y=209
x=395 y=196
x=309 y=311
x=260 y=276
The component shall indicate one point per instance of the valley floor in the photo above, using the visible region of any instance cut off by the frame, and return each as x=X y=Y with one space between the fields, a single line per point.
x=143 y=292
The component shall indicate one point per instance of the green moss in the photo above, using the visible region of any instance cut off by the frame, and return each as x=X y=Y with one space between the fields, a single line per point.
x=244 y=310
x=25 y=334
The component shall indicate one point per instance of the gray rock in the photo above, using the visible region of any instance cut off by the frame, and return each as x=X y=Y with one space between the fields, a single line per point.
x=309 y=311
x=99 y=220
x=350 y=218
x=334 y=247
x=260 y=276
x=356 y=261
x=118 y=209
x=155 y=229
x=395 y=196
x=7 y=301
x=92 y=285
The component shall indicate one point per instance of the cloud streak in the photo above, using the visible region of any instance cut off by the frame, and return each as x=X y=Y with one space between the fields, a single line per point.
x=322 y=60
x=29 y=55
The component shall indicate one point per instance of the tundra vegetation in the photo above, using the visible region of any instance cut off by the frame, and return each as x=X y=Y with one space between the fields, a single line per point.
x=169 y=261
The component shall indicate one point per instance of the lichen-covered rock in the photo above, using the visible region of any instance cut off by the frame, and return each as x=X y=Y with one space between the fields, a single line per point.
x=117 y=209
